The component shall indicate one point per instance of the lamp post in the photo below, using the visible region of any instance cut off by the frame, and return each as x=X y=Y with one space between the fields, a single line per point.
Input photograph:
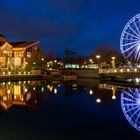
x=98 y=57
x=113 y=62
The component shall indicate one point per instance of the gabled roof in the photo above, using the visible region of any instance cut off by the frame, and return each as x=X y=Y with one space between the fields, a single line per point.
x=23 y=44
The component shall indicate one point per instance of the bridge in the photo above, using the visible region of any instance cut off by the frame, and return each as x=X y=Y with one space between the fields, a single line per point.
x=119 y=73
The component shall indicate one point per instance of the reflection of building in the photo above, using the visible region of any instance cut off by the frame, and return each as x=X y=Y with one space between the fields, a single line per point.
x=17 y=94
x=18 y=53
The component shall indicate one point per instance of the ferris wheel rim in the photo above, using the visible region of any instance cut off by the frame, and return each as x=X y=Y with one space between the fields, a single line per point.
x=136 y=35
x=136 y=108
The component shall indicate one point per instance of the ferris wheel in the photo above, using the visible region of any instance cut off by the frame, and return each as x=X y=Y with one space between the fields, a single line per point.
x=130 y=39
x=130 y=103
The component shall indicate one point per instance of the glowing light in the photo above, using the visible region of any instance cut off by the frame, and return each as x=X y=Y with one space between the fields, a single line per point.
x=9 y=72
x=137 y=80
x=3 y=83
x=42 y=89
x=98 y=100
x=91 y=92
x=115 y=70
x=8 y=91
x=135 y=70
x=9 y=83
x=128 y=70
x=113 y=97
x=55 y=91
x=3 y=73
x=26 y=89
x=19 y=82
x=98 y=56
x=4 y=98
x=34 y=88
x=121 y=70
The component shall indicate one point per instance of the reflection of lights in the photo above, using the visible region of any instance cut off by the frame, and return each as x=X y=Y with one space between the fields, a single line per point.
x=8 y=91
x=42 y=89
x=55 y=91
x=28 y=96
x=4 y=98
x=135 y=70
x=26 y=89
x=137 y=80
x=91 y=92
x=50 y=87
x=98 y=100
x=113 y=97
x=15 y=97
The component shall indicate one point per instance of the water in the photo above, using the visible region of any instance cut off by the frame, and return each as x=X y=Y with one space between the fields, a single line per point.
x=82 y=109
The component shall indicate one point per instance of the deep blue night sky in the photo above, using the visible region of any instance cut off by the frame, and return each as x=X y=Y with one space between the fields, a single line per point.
x=81 y=25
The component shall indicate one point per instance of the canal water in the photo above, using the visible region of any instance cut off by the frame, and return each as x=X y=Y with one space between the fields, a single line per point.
x=68 y=110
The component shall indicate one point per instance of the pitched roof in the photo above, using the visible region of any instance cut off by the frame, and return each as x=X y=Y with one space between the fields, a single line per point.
x=23 y=44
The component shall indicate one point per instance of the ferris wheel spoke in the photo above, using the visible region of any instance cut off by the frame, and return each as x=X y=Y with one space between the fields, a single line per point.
x=130 y=95
x=129 y=54
x=132 y=35
x=133 y=46
x=130 y=104
x=137 y=28
x=134 y=31
x=137 y=53
x=138 y=116
x=130 y=39
x=129 y=100
x=131 y=43
x=135 y=112
x=134 y=108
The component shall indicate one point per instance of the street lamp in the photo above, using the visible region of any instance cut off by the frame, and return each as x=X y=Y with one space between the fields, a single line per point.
x=113 y=62
x=98 y=57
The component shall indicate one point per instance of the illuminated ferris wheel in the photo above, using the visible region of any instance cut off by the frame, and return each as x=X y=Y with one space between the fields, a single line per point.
x=130 y=39
x=130 y=103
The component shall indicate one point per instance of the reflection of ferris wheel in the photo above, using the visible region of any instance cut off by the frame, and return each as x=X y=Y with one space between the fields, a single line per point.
x=130 y=103
x=130 y=39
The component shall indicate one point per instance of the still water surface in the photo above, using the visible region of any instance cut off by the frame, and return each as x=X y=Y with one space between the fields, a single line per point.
x=70 y=110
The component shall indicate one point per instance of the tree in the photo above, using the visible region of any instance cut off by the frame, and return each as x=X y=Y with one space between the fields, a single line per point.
x=50 y=55
x=106 y=53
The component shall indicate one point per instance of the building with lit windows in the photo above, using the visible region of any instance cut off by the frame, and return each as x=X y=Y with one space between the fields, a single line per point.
x=18 y=54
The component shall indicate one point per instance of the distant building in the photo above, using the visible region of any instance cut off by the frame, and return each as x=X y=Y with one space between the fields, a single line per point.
x=14 y=54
